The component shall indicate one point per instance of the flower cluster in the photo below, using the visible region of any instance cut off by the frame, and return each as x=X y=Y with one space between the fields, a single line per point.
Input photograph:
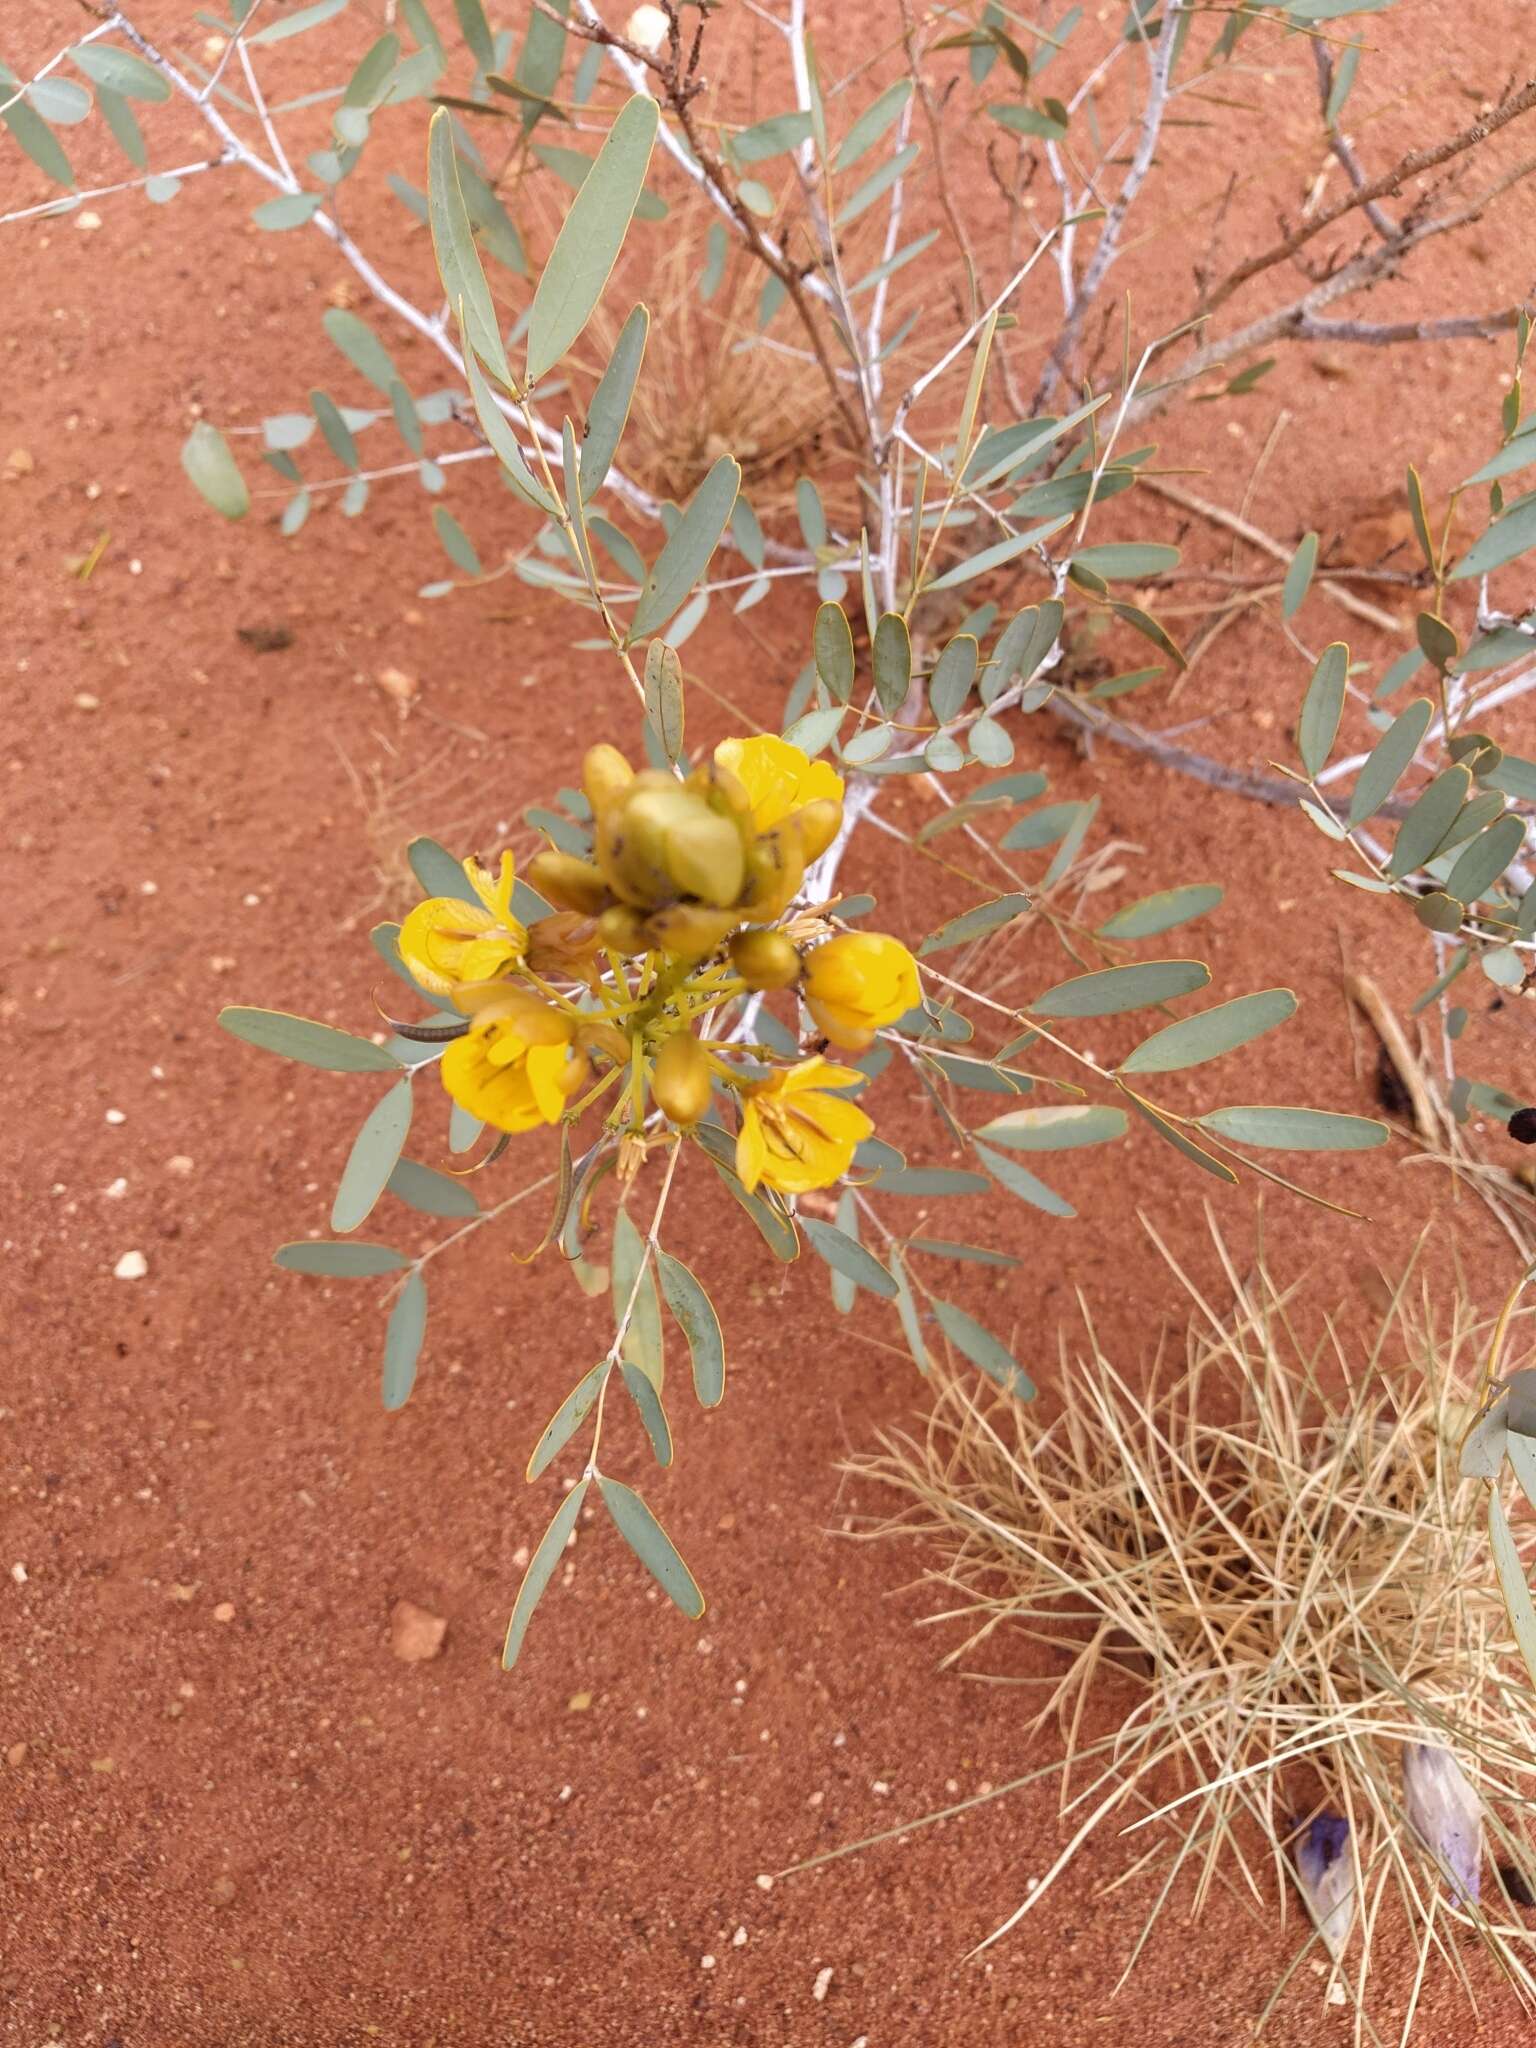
x=688 y=901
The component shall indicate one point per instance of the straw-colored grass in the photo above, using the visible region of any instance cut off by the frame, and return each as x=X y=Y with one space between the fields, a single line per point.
x=1271 y=1546
x=714 y=385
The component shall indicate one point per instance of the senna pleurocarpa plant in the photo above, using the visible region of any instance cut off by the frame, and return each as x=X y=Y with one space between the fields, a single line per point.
x=676 y=977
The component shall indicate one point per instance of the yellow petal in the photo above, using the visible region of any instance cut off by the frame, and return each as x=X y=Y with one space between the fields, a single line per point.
x=493 y=889
x=751 y=1149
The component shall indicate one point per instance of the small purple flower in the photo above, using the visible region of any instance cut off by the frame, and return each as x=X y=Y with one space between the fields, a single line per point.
x=1326 y=1874
x=1445 y=1813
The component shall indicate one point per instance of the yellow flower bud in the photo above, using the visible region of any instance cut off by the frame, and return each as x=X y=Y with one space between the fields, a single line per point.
x=605 y=775
x=622 y=927
x=775 y=869
x=689 y=931
x=564 y=944
x=680 y=1081
x=568 y=881
x=858 y=982
x=723 y=791
x=667 y=842
x=764 y=959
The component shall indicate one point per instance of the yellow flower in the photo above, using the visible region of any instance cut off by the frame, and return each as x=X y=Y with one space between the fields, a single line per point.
x=793 y=1134
x=445 y=942
x=517 y=1067
x=857 y=982
x=778 y=778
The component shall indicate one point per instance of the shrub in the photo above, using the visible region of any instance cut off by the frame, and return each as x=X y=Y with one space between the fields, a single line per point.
x=680 y=950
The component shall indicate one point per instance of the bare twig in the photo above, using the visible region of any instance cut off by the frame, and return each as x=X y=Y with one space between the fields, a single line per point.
x=1388 y=184
x=1107 y=246
x=1257 y=537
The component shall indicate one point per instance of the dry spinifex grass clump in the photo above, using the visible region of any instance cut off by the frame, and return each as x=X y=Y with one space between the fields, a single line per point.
x=1274 y=1544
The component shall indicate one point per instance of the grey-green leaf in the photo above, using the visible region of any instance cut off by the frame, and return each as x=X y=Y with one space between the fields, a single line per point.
x=1113 y=990
x=431 y=1192
x=975 y=924
x=643 y=1344
x=1504 y=540
x=350 y=1261
x=1210 y=1033
x=120 y=71
x=664 y=697
x=652 y=1414
x=453 y=244
x=214 y=472
x=1484 y=859
x=1018 y=1180
x=980 y=1346
x=373 y=1157
x=1389 y=760
x=402 y=1342
x=1298 y=577
x=688 y=550
x=1322 y=707
x=1430 y=821
x=541 y=1569
x=847 y=1256
x=609 y=410
x=31 y=130
x=567 y=1419
x=312 y=1045
x=1130 y=561
x=1512 y=1581
x=893 y=662
x=1295 y=1130
x=953 y=674
x=1160 y=913
x=696 y=1318
x=652 y=1545
x=832 y=640
x=1059 y=1127
x=589 y=241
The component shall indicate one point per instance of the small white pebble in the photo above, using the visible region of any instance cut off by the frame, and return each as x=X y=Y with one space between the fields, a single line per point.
x=1335 y=1993
x=131 y=1266
x=838 y=1741
x=116 y=1116
x=157 y=1073
x=251 y=900
x=880 y=1788
x=739 y=1938
x=135 y=568
x=19 y=1574
x=117 y=1190
x=706 y=1962
x=765 y=1883
x=565 y=1792
x=741 y=1685
x=87 y=222
x=178 y=1163
x=822 y=1985
x=85 y=700
x=149 y=888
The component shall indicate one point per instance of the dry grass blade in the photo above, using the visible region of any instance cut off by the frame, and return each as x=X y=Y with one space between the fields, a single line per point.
x=1272 y=1544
